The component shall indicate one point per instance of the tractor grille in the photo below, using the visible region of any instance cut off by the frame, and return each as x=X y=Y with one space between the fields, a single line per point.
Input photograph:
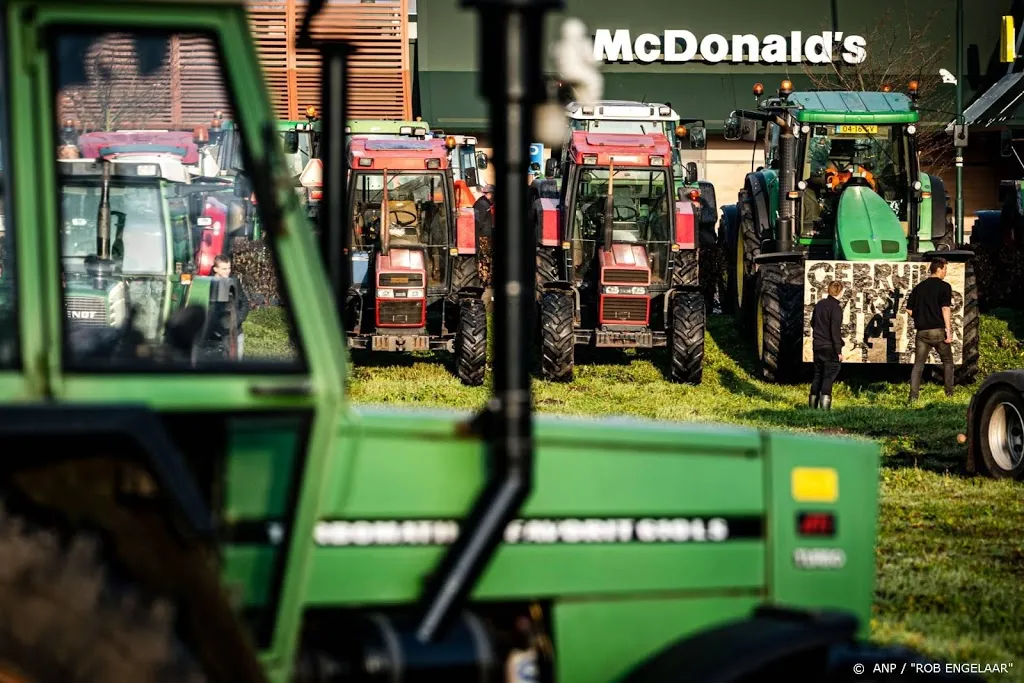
x=86 y=310
x=400 y=312
x=619 y=309
x=625 y=277
x=401 y=280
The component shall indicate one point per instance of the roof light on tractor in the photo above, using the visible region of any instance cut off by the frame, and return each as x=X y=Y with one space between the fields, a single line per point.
x=365 y=162
x=433 y=163
x=694 y=195
x=588 y=111
x=200 y=135
x=681 y=132
x=450 y=143
x=657 y=161
x=758 y=89
x=786 y=88
x=664 y=111
x=470 y=142
x=886 y=88
x=311 y=113
x=590 y=160
x=419 y=132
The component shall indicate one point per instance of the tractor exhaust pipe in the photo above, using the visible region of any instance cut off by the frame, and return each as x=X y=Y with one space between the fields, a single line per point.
x=609 y=209
x=103 y=218
x=787 y=185
x=335 y=236
x=511 y=79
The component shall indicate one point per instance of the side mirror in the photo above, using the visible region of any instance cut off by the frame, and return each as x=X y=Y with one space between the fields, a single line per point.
x=291 y=142
x=551 y=168
x=733 y=128
x=1005 y=143
x=691 y=173
x=482 y=161
x=698 y=138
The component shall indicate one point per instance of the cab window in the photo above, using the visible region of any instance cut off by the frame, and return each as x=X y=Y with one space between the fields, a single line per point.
x=159 y=269
x=8 y=311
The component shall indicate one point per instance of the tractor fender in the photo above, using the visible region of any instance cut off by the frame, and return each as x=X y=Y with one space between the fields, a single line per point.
x=757 y=190
x=671 y=294
x=548 y=217
x=465 y=230
x=737 y=649
x=727 y=225
x=199 y=292
x=559 y=284
x=138 y=425
x=1008 y=379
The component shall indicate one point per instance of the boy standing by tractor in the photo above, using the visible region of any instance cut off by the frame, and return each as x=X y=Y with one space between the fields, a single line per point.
x=930 y=304
x=222 y=270
x=826 y=322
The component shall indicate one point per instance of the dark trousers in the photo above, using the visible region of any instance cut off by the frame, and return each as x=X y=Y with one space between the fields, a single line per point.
x=826 y=369
x=926 y=341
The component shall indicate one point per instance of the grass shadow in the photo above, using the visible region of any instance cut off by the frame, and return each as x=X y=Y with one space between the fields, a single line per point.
x=921 y=438
x=741 y=386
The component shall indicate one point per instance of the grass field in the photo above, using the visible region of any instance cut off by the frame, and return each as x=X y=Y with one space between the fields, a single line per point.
x=951 y=548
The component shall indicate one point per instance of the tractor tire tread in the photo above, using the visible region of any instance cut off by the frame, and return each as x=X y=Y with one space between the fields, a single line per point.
x=781 y=289
x=471 y=342
x=686 y=268
x=558 y=313
x=689 y=319
x=73 y=623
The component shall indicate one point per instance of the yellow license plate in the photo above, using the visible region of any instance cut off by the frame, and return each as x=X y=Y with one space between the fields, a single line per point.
x=856 y=130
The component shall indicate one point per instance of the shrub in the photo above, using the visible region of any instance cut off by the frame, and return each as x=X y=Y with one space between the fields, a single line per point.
x=1000 y=273
x=253 y=265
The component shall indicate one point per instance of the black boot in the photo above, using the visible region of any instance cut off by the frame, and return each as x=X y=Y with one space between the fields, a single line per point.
x=826 y=402
x=812 y=401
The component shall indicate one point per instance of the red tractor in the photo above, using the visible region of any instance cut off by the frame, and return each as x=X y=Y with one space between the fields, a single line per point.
x=617 y=256
x=415 y=283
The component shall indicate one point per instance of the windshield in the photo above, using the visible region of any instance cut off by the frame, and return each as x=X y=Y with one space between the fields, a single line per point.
x=640 y=212
x=142 y=240
x=837 y=152
x=417 y=208
x=624 y=127
x=297 y=162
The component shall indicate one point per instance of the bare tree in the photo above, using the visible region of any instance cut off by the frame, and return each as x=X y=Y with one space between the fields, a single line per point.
x=117 y=95
x=901 y=48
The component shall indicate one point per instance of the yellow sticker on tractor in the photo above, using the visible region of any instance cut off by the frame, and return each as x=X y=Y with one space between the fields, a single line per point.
x=815 y=485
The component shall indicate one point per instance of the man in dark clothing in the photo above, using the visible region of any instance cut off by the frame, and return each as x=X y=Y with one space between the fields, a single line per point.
x=483 y=208
x=930 y=305
x=222 y=270
x=826 y=324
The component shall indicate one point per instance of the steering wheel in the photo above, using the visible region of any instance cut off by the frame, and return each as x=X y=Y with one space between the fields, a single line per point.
x=628 y=218
x=399 y=221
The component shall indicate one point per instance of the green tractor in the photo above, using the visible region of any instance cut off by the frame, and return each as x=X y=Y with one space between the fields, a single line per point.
x=173 y=517
x=128 y=249
x=842 y=198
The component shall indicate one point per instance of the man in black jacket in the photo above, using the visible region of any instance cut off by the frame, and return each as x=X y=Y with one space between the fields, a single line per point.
x=826 y=324
x=930 y=304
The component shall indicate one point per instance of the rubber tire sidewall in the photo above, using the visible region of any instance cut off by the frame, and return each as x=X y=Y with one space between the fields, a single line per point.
x=996 y=397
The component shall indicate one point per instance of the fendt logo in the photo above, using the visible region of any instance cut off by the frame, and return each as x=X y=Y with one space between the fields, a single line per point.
x=684 y=46
x=82 y=315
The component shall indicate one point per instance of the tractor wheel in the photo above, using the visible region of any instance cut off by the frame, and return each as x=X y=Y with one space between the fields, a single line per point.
x=1001 y=434
x=686 y=268
x=557 y=335
x=471 y=342
x=968 y=368
x=746 y=246
x=727 y=227
x=779 y=321
x=66 y=623
x=687 y=352
x=547 y=269
x=465 y=273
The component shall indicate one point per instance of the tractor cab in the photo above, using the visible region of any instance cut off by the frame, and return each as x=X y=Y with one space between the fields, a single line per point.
x=619 y=207
x=688 y=138
x=860 y=192
x=126 y=242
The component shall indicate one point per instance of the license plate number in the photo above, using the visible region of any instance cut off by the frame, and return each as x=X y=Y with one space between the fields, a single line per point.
x=856 y=130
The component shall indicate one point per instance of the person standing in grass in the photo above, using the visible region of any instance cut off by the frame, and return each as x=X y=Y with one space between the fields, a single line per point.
x=930 y=305
x=826 y=323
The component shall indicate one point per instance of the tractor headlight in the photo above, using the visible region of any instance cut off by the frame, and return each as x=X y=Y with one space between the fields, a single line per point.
x=917 y=185
x=385 y=293
x=611 y=290
x=637 y=290
x=911 y=129
x=415 y=294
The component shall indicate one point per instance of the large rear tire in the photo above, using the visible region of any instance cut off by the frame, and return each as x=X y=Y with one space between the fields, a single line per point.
x=557 y=336
x=746 y=246
x=66 y=623
x=687 y=337
x=686 y=268
x=1000 y=434
x=471 y=342
x=465 y=273
x=547 y=269
x=779 y=321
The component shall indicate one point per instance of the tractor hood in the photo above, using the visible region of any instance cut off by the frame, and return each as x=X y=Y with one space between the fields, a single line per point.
x=631 y=256
x=866 y=227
